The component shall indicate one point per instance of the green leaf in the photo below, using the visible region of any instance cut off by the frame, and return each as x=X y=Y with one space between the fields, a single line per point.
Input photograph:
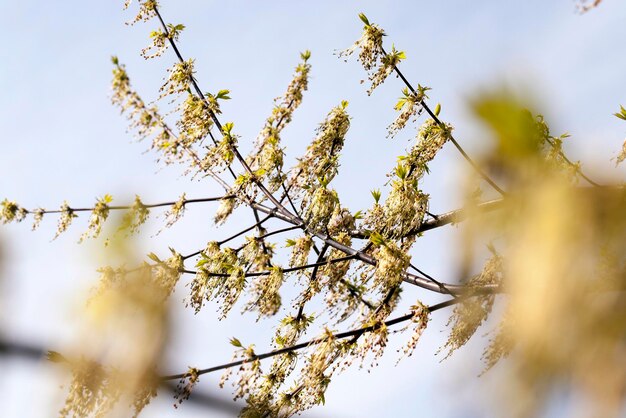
x=235 y=342
x=421 y=90
x=376 y=195
x=55 y=357
x=290 y=243
x=515 y=128
x=227 y=128
x=223 y=94
x=305 y=55
x=401 y=171
x=437 y=109
x=154 y=257
x=400 y=103
x=377 y=239
x=364 y=19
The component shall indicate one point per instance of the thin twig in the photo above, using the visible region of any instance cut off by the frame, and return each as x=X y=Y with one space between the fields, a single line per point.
x=201 y=95
x=320 y=262
x=153 y=205
x=269 y=234
x=315 y=341
x=434 y=117
x=287 y=270
x=451 y=217
x=576 y=167
x=224 y=241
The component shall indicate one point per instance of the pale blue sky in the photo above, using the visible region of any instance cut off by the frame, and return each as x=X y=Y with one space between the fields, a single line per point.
x=62 y=140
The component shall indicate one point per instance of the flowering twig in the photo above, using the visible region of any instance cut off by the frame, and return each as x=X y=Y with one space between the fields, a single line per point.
x=286 y=270
x=436 y=119
x=315 y=341
x=218 y=123
x=124 y=207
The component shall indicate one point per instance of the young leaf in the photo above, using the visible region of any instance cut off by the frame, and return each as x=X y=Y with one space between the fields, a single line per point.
x=223 y=94
x=622 y=113
x=377 y=239
x=235 y=342
x=364 y=19
x=376 y=195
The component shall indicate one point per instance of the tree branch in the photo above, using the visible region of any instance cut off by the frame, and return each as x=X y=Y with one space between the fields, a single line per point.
x=434 y=117
x=287 y=270
x=149 y=206
x=201 y=95
x=315 y=341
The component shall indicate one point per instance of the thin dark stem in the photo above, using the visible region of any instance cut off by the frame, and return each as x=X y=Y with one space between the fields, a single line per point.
x=287 y=270
x=577 y=168
x=201 y=95
x=315 y=341
x=256 y=225
x=440 y=220
x=355 y=294
x=224 y=241
x=359 y=255
x=434 y=117
x=153 y=205
x=320 y=261
x=269 y=234
x=286 y=194
x=432 y=279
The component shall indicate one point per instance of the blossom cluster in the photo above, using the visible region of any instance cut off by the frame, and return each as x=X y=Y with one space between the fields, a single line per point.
x=210 y=283
x=321 y=158
x=409 y=106
x=391 y=263
x=372 y=57
x=136 y=216
x=160 y=40
x=147 y=10
x=265 y=292
x=10 y=211
x=179 y=78
x=99 y=215
x=144 y=119
x=267 y=158
x=420 y=320
x=319 y=208
x=472 y=312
